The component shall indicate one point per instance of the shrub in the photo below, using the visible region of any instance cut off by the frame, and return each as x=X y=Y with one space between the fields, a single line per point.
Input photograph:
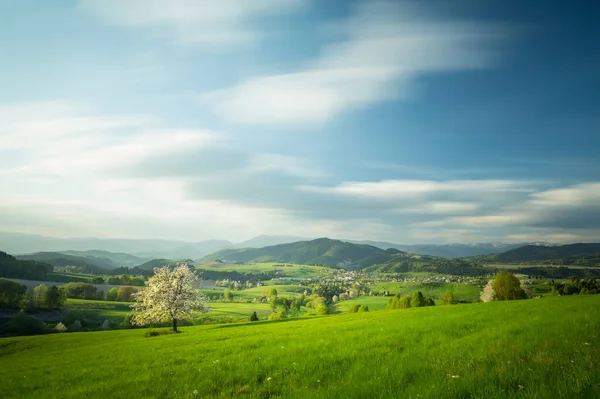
x=417 y=300
x=11 y=294
x=60 y=327
x=125 y=294
x=156 y=333
x=278 y=315
x=354 y=308
x=112 y=294
x=24 y=324
x=254 y=317
x=97 y=280
x=447 y=298
x=82 y=291
x=363 y=308
x=429 y=302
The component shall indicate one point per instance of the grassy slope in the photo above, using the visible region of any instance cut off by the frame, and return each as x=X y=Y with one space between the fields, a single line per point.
x=496 y=350
x=463 y=292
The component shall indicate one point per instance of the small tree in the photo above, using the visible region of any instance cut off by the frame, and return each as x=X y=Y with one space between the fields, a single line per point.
x=125 y=294
x=417 y=300
x=488 y=294
x=112 y=294
x=507 y=287
x=228 y=295
x=106 y=325
x=447 y=298
x=55 y=298
x=254 y=317
x=169 y=295
x=39 y=296
x=60 y=327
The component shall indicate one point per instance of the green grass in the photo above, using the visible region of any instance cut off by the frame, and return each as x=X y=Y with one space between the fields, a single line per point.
x=462 y=292
x=373 y=302
x=114 y=312
x=544 y=348
x=285 y=269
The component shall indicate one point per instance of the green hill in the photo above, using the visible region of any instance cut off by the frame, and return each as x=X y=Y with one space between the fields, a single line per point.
x=106 y=257
x=511 y=349
x=322 y=251
x=57 y=259
x=12 y=267
x=580 y=254
x=335 y=253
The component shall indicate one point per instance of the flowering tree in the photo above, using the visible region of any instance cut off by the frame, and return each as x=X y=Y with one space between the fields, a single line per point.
x=169 y=296
x=488 y=294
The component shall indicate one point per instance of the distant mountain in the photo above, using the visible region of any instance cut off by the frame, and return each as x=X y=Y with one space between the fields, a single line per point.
x=29 y=243
x=447 y=250
x=267 y=241
x=12 y=267
x=118 y=259
x=57 y=259
x=530 y=253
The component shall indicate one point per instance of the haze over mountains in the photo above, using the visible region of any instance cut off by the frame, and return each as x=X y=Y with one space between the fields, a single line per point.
x=15 y=243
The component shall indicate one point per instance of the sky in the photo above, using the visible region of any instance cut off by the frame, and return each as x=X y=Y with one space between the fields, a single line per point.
x=410 y=122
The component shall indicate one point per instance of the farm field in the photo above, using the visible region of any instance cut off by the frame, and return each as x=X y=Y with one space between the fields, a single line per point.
x=515 y=349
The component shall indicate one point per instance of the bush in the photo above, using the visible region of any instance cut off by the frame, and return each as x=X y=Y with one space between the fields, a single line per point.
x=363 y=308
x=354 y=308
x=125 y=294
x=11 y=294
x=254 y=317
x=24 y=324
x=156 y=333
x=60 y=328
x=82 y=291
x=429 y=302
x=278 y=315
x=447 y=298
x=417 y=300
x=112 y=294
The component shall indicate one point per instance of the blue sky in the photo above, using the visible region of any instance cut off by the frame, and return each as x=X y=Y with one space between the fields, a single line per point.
x=411 y=122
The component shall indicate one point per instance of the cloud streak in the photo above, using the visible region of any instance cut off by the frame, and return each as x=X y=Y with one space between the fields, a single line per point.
x=388 y=46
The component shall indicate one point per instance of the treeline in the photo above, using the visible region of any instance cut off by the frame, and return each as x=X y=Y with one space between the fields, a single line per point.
x=14 y=295
x=586 y=286
x=235 y=276
x=456 y=267
x=559 y=272
x=416 y=300
x=24 y=269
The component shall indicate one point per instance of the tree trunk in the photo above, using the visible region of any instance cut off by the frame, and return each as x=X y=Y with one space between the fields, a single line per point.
x=174 y=325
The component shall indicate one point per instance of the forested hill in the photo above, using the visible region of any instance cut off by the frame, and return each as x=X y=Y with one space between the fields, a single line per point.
x=12 y=267
x=571 y=254
x=335 y=253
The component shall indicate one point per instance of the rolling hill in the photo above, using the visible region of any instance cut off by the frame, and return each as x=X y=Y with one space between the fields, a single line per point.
x=558 y=254
x=12 y=267
x=336 y=253
x=57 y=259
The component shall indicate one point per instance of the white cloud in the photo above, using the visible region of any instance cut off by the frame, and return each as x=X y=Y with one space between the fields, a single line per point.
x=209 y=22
x=391 y=189
x=389 y=44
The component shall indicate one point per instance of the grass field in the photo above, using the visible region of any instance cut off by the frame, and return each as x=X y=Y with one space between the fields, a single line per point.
x=286 y=269
x=115 y=312
x=517 y=349
x=462 y=292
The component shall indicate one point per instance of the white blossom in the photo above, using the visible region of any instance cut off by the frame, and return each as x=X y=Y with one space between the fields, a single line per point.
x=169 y=296
x=488 y=294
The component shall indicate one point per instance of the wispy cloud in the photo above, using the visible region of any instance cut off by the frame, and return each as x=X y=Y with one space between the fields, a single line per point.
x=388 y=45
x=204 y=22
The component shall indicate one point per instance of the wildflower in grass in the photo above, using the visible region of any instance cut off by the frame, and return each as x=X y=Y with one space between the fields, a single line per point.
x=269 y=379
x=195 y=392
x=456 y=376
x=521 y=387
x=587 y=343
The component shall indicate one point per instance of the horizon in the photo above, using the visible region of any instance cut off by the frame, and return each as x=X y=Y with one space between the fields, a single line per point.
x=409 y=123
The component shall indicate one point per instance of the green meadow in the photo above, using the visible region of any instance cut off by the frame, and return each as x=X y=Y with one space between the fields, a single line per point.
x=514 y=349
x=462 y=292
x=285 y=269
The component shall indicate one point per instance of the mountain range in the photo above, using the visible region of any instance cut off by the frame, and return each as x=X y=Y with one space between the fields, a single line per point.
x=15 y=243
